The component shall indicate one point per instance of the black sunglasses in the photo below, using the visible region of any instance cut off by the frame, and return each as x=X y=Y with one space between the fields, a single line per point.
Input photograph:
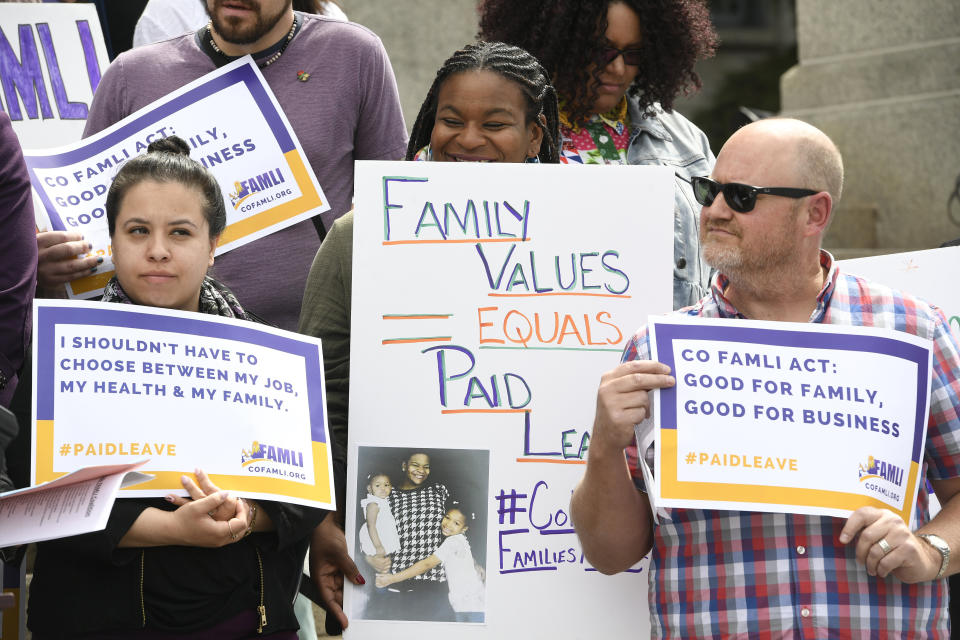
x=740 y=197
x=608 y=54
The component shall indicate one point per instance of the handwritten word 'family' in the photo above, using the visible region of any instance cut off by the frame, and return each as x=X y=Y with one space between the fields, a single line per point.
x=446 y=221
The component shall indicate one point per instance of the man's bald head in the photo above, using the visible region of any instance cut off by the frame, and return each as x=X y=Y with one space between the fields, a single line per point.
x=816 y=160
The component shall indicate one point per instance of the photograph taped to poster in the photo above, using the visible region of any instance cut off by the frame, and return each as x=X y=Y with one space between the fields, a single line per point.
x=425 y=512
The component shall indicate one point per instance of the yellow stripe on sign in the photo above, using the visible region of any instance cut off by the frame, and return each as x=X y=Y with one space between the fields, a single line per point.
x=248 y=483
x=10 y=627
x=170 y=480
x=90 y=283
x=309 y=199
x=44 y=448
x=672 y=488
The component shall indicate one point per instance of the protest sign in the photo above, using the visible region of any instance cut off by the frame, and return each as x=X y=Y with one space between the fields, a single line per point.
x=929 y=275
x=117 y=383
x=789 y=417
x=488 y=299
x=78 y=502
x=51 y=60
x=236 y=129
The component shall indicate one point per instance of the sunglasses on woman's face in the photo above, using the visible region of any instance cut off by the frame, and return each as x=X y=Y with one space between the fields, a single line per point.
x=608 y=54
x=742 y=198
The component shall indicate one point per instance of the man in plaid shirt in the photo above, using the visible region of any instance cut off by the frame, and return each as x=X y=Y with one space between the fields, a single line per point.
x=772 y=575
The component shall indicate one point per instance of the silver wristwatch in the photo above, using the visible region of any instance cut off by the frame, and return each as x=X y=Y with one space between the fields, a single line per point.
x=940 y=545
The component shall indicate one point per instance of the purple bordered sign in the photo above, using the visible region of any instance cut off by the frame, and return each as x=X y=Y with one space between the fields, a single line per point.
x=789 y=417
x=119 y=383
x=236 y=129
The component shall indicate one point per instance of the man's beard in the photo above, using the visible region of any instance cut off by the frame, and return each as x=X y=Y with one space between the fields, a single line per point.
x=722 y=258
x=243 y=32
x=764 y=254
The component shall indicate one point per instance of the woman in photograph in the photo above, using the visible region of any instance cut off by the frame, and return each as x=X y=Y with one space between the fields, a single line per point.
x=418 y=506
x=618 y=66
x=213 y=565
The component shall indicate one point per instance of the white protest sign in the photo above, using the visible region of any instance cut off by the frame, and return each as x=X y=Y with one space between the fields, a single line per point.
x=244 y=402
x=51 y=60
x=488 y=299
x=929 y=275
x=789 y=417
x=236 y=129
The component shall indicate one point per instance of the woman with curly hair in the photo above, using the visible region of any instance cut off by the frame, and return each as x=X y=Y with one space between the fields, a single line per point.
x=617 y=66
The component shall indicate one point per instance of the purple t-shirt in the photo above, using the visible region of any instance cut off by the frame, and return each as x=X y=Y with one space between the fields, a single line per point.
x=347 y=110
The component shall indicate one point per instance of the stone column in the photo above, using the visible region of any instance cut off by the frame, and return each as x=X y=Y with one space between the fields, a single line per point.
x=882 y=78
x=418 y=35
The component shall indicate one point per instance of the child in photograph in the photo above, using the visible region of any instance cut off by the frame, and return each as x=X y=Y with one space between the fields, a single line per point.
x=463 y=578
x=379 y=536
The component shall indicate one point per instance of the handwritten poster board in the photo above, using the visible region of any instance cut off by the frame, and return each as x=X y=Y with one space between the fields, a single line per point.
x=929 y=275
x=116 y=383
x=487 y=302
x=51 y=59
x=236 y=129
x=789 y=417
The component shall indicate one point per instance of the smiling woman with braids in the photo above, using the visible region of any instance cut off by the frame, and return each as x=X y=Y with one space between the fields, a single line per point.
x=491 y=87
x=618 y=65
x=490 y=102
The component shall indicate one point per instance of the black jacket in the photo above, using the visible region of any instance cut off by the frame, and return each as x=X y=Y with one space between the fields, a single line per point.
x=85 y=584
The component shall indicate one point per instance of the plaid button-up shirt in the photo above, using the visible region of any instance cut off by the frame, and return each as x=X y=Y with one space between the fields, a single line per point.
x=771 y=575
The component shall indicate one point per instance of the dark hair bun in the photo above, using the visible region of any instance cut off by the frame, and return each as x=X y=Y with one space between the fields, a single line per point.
x=170 y=144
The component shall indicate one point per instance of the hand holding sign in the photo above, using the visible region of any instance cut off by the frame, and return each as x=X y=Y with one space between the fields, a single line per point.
x=190 y=525
x=202 y=488
x=909 y=558
x=623 y=401
x=58 y=258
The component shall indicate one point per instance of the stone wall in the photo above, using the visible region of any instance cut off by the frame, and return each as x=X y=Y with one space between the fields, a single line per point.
x=418 y=35
x=882 y=78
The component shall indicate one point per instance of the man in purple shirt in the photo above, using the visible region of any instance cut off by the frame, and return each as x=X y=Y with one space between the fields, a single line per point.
x=334 y=82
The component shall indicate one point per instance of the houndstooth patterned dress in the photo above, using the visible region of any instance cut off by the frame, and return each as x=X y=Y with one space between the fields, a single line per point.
x=418 y=513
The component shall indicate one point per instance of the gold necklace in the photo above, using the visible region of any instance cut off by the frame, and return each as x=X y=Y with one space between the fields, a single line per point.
x=271 y=59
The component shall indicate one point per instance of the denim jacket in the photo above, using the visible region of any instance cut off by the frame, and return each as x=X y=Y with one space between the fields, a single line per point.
x=671 y=140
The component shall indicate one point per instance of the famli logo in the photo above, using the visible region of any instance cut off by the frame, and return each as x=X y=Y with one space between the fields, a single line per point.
x=879 y=469
x=243 y=189
x=260 y=452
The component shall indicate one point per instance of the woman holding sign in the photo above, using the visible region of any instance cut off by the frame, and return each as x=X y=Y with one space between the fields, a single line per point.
x=214 y=565
x=618 y=65
x=490 y=102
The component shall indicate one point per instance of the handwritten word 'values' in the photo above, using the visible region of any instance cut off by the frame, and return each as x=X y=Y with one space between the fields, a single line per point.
x=579 y=277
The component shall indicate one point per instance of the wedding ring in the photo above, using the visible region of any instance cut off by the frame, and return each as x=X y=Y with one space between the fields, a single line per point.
x=233 y=536
x=884 y=546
